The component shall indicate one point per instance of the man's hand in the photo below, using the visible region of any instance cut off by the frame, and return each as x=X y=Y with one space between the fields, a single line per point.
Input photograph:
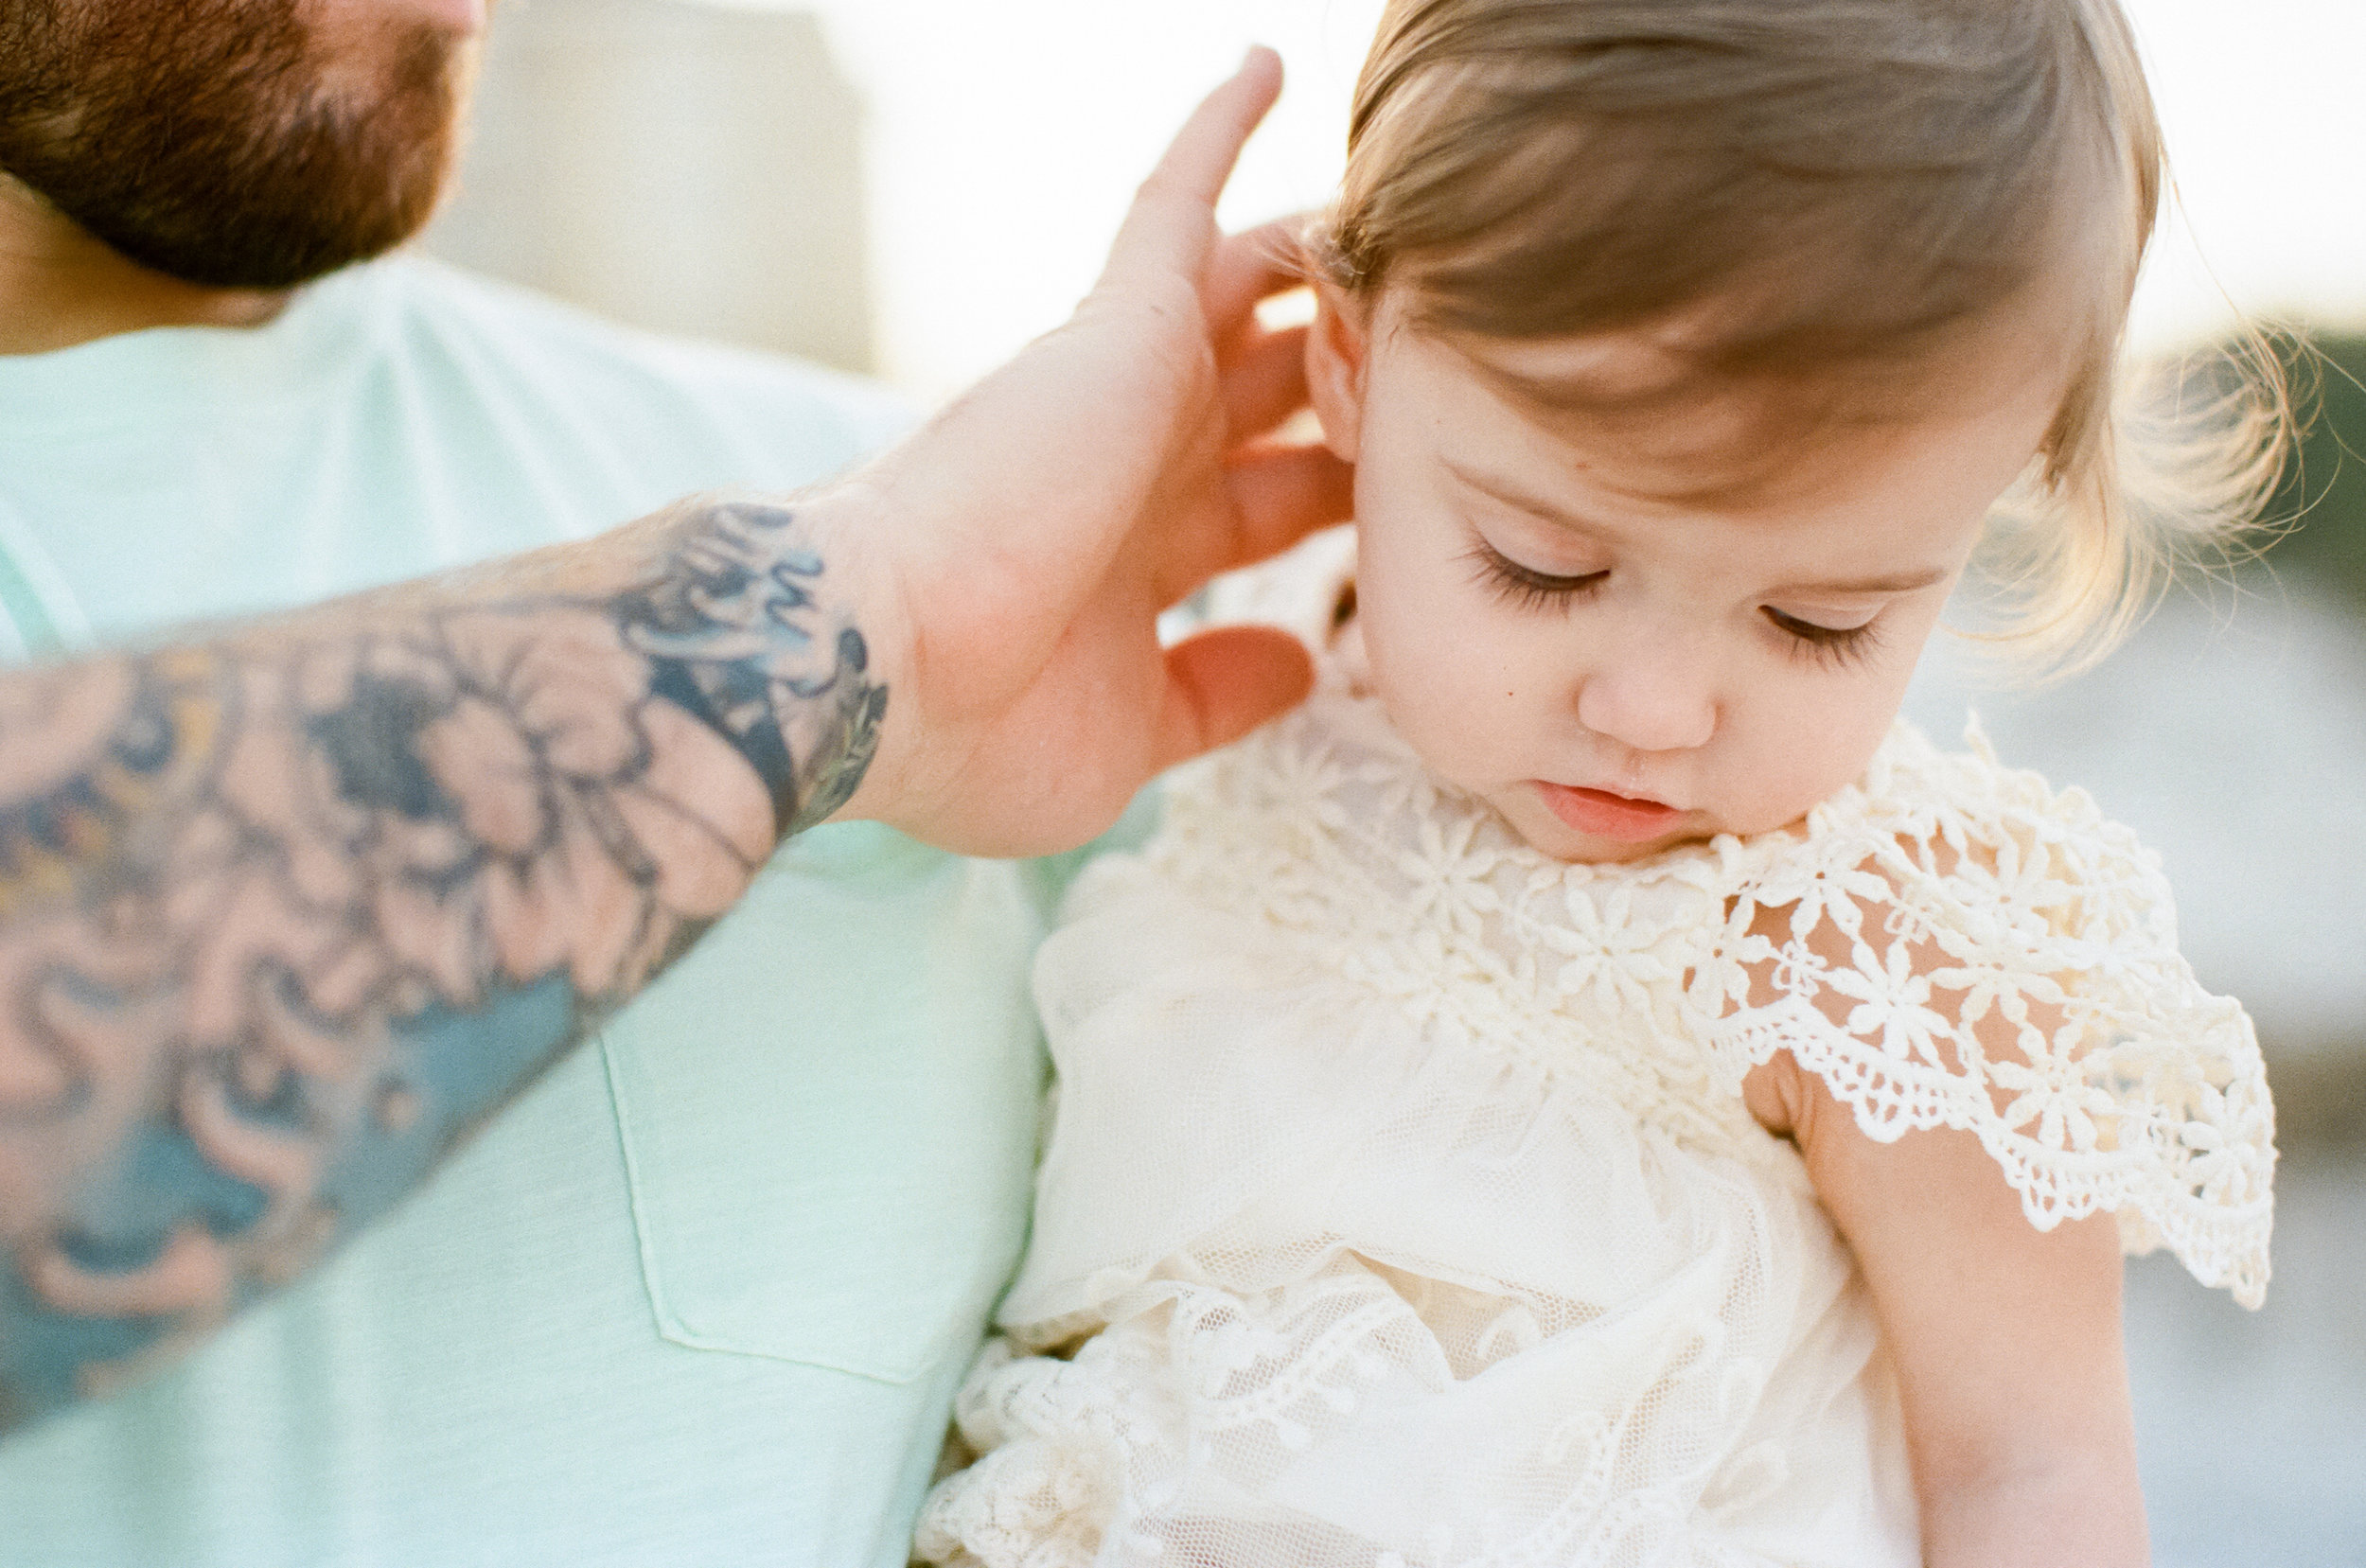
x=285 y=910
x=1035 y=529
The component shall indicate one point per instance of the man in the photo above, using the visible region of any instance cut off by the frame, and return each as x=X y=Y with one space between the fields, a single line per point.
x=334 y=886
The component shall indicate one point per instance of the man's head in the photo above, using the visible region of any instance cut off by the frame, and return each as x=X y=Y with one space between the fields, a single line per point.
x=249 y=144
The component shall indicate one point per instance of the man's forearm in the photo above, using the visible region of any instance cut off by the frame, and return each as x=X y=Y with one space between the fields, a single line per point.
x=283 y=913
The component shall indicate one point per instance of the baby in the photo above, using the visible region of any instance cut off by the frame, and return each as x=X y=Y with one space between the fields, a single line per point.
x=1594 y=1087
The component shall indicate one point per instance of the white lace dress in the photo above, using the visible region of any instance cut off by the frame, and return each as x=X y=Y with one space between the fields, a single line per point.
x=1401 y=1180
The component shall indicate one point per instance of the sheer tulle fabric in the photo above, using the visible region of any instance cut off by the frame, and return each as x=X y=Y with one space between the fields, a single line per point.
x=1401 y=1182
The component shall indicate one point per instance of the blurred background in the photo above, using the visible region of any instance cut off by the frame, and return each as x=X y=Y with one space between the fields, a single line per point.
x=912 y=189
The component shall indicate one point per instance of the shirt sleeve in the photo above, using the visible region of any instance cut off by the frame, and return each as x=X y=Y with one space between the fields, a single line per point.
x=1954 y=944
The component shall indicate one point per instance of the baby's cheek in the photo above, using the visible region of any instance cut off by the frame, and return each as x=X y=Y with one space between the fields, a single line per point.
x=1423 y=705
x=1800 y=757
x=1453 y=689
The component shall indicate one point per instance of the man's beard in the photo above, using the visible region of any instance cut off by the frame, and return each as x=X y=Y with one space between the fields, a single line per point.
x=200 y=138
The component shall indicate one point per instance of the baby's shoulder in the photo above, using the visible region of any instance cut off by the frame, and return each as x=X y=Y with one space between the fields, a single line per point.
x=1962 y=842
x=1951 y=943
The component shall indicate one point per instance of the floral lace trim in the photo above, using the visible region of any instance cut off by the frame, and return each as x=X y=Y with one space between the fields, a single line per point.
x=1967 y=949
x=1077 y=1452
x=1948 y=942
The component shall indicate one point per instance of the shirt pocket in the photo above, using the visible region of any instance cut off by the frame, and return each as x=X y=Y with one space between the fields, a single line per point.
x=828 y=1109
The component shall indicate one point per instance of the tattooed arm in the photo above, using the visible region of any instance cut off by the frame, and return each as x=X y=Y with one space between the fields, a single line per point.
x=285 y=911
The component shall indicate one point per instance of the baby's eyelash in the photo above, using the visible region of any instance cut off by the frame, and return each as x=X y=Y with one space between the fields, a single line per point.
x=1524 y=588
x=1834 y=647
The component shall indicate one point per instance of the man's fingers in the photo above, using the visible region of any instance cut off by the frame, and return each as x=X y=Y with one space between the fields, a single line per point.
x=1199 y=160
x=1250 y=266
x=1281 y=494
x=1278 y=495
x=1223 y=683
x=1172 y=225
x=1265 y=383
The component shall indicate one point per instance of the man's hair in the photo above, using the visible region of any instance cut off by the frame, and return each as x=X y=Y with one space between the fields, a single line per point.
x=1823 y=190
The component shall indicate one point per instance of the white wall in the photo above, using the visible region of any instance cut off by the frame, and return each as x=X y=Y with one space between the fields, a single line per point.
x=1005 y=135
x=2265 y=105
x=685 y=168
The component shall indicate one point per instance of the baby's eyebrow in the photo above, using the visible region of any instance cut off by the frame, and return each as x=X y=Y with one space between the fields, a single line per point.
x=1553 y=512
x=1900 y=582
x=1510 y=495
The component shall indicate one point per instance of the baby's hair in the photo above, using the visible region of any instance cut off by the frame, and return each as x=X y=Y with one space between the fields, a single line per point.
x=1819 y=191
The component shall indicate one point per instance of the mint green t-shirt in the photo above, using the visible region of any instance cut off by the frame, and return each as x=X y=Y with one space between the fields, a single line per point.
x=703 y=1295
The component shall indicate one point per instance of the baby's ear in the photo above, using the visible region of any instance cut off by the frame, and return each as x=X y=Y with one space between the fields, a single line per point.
x=1336 y=359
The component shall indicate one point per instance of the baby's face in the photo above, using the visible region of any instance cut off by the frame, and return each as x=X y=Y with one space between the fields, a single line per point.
x=1630 y=631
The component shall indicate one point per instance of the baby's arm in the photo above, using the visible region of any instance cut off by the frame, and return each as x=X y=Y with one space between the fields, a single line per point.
x=2007 y=1339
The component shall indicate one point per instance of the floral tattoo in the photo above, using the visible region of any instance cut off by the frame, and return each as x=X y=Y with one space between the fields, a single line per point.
x=283 y=916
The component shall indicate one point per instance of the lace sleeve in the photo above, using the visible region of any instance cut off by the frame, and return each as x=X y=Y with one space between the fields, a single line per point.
x=1952 y=944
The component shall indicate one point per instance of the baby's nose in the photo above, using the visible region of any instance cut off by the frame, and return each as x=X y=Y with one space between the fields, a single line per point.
x=1649 y=700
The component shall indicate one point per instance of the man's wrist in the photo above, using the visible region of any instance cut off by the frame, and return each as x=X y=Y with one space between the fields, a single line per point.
x=851 y=743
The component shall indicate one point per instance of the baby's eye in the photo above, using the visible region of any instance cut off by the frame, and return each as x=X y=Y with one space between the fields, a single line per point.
x=1525 y=587
x=1833 y=644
